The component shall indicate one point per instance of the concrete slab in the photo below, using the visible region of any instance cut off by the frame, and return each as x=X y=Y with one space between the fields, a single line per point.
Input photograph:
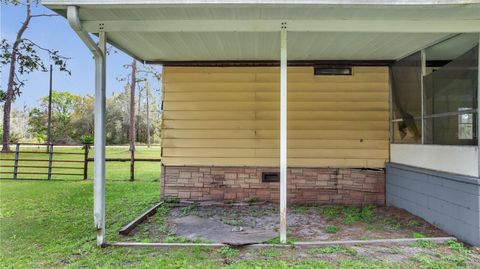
x=194 y=227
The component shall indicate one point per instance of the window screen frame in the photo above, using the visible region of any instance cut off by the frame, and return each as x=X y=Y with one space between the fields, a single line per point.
x=423 y=118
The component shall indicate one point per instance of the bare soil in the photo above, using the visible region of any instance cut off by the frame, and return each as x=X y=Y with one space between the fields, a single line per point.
x=305 y=223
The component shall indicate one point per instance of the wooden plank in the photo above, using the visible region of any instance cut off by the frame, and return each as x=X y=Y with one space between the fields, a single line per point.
x=273 y=87
x=263 y=69
x=274 y=106
x=274 y=97
x=304 y=96
x=209 y=115
x=209 y=96
x=272 y=153
x=272 y=77
x=221 y=116
x=309 y=77
x=42 y=166
x=210 y=77
x=127 y=229
x=273 y=162
x=274 y=115
x=274 y=125
x=205 y=69
x=128 y=159
x=268 y=134
x=174 y=133
x=324 y=115
x=299 y=244
x=55 y=153
x=274 y=143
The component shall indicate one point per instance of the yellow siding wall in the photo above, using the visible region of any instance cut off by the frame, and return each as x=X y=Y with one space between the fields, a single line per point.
x=230 y=116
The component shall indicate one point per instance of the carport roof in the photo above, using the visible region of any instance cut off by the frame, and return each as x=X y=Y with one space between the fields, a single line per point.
x=206 y=30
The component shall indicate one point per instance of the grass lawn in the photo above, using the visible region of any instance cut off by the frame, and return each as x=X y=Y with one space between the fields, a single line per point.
x=49 y=224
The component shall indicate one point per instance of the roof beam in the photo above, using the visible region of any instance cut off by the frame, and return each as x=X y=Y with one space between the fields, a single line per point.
x=367 y=26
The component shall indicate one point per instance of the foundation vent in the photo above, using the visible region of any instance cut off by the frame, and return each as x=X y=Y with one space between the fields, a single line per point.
x=270 y=177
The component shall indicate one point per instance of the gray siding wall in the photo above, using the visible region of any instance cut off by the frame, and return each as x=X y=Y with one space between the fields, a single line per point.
x=449 y=201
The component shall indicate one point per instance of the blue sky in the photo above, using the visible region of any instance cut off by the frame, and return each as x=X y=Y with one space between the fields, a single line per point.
x=55 y=33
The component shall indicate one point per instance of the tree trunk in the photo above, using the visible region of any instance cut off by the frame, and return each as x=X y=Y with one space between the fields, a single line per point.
x=147 y=87
x=133 y=84
x=11 y=81
x=138 y=112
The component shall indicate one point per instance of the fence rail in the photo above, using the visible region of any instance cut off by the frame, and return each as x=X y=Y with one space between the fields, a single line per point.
x=46 y=167
x=55 y=170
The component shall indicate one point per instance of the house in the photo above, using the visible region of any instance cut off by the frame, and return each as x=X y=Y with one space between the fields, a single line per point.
x=339 y=102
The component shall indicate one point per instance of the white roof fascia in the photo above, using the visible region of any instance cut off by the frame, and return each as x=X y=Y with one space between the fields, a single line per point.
x=261 y=2
x=365 y=26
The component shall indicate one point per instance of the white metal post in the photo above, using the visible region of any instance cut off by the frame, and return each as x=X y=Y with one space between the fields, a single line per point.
x=99 y=52
x=478 y=104
x=100 y=141
x=423 y=60
x=283 y=133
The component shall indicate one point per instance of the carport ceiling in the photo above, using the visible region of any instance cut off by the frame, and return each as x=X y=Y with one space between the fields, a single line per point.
x=221 y=31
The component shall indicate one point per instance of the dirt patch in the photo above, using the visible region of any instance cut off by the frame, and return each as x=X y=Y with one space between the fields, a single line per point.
x=304 y=223
x=193 y=227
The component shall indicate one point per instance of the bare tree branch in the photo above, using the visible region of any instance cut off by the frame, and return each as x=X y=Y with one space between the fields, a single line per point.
x=44 y=15
x=45 y=49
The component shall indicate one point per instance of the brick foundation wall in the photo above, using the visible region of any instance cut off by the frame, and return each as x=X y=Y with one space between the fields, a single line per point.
x=305 y=185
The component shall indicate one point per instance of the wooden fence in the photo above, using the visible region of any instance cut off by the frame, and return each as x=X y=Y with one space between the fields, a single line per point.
x=49 y=166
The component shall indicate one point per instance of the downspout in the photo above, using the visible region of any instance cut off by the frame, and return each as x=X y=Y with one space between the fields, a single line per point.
x=99 y=131
x=74 y=21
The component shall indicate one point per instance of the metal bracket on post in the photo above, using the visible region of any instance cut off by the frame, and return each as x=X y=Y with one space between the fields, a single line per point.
x=99 y=135
x=283 y=132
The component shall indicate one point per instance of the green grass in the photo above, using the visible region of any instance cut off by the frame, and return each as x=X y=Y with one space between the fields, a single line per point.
x=331 y=212
x=49 y=224
x=424 y=244
x=331 y=229
x=228 y=252
x=326 y=250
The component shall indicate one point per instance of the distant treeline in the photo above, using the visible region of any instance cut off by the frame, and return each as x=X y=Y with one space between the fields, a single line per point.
x=72 y=119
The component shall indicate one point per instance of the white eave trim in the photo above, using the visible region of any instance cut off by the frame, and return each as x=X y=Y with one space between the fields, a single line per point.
x=371 y=26
x=263 y=2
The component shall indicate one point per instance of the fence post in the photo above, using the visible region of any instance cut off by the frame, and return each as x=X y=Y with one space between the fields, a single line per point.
x=132 y=165
x=86 y=147
x=50 y=160
x=15 y=164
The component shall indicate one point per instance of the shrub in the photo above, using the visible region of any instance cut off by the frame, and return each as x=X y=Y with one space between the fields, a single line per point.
x=86 y=139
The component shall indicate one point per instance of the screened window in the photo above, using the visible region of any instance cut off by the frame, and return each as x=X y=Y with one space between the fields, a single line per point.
x=448 y=80
x=406 y=99
x=465 y=124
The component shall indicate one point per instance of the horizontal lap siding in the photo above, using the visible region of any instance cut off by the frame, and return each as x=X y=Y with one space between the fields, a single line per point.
x=230 y=116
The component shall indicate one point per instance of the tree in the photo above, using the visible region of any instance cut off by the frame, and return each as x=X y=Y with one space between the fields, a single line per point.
x=23 y=57
x=133 y=84
x=82 y=116
x=117 y=122
x=63 y=105
x=138 y=79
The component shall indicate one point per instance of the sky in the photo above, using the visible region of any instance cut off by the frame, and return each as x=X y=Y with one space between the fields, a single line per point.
x=55 y=33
